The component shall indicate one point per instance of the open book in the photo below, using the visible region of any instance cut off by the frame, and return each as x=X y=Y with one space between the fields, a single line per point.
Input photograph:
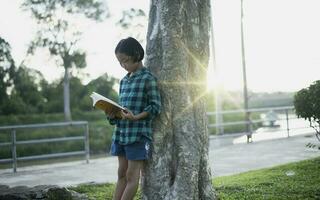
x=106 y=104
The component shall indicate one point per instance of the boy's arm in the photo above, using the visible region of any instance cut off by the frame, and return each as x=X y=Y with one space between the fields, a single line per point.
x=153 y=95
x=127 y=114
x=153 y=107
x=142 y=115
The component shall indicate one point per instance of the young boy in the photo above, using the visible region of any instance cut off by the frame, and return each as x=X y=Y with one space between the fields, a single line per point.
x=132 y=135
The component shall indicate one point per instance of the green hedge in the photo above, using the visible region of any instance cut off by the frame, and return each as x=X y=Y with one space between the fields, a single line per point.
x=99 y=129
x=100 y=133
x=234 y=117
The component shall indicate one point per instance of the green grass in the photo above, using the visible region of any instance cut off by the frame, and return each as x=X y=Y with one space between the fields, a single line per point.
x=273 y=183
x=300 y=180
x=100 y=191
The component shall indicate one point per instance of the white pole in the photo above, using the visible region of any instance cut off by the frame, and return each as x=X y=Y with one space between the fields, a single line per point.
x=217 y=88
x=245 y=89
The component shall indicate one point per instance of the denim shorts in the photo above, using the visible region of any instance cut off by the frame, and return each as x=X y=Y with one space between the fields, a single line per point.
x=135 y=151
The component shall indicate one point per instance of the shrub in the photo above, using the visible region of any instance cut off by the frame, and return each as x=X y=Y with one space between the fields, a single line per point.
x=307 y=105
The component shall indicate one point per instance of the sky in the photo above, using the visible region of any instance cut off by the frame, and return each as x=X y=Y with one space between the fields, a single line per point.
x=281 y=40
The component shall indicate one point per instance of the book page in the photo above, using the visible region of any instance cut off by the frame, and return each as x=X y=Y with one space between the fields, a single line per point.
x=96 y=97
x=105 y=104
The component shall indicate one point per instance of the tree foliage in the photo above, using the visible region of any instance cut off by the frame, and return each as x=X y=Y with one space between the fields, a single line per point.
x=79 y=93
x=307 y=105
x=104 y=86
x=134 y=22
x=26 y=89
x=59 y=31
x=7 y=68
x=59 y=28
x=32 y=94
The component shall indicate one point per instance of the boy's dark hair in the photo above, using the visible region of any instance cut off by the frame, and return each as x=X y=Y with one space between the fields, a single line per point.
x=131 y=47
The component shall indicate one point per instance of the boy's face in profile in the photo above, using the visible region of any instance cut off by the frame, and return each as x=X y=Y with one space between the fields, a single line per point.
x=127 y=63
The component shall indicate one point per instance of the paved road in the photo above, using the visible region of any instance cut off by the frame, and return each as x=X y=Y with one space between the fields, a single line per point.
x=225 y=159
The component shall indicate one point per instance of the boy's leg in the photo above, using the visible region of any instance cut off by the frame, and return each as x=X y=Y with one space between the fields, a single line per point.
x=133 y=176
x=122 y=180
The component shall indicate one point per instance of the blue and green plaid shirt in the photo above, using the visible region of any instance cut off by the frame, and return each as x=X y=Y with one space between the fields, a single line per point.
x=138 y=93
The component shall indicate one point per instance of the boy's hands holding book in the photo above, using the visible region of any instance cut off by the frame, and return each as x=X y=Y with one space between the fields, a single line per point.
x=111 y=114
x=110 y=108
x=114 y=110
x=127 y=114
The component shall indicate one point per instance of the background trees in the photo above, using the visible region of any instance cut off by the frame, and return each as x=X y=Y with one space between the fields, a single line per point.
x=60 y=33
x=7 y=67
x=25 y=91
x=26 y=95
x=307 y=105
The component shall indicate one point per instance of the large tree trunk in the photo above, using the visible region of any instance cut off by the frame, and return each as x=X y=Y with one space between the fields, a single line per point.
x=177 y=53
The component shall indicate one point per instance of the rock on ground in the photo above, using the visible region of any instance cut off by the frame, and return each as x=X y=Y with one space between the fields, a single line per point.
x=41 y=192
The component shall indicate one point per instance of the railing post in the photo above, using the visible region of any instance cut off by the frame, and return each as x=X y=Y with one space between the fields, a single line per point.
x=86 y=142
x=287 y=118
x=248 y=127
x=14 y=150
x=219 y=121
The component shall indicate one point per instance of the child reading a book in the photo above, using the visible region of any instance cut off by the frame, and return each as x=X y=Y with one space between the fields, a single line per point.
x=132 y=135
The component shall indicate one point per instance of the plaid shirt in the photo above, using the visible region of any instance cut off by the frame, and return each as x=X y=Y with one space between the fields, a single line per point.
x=138 y=93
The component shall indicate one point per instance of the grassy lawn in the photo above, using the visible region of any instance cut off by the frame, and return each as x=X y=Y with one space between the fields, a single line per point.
x=300 y=180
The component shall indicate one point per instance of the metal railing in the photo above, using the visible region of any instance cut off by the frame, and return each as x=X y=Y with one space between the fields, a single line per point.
x=14 y=142
x=285 y=110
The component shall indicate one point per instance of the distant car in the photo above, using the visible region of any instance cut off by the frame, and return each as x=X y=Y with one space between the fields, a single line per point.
x=270 y=119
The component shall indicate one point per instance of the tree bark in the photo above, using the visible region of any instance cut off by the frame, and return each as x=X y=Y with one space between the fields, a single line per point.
x=177 y=54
